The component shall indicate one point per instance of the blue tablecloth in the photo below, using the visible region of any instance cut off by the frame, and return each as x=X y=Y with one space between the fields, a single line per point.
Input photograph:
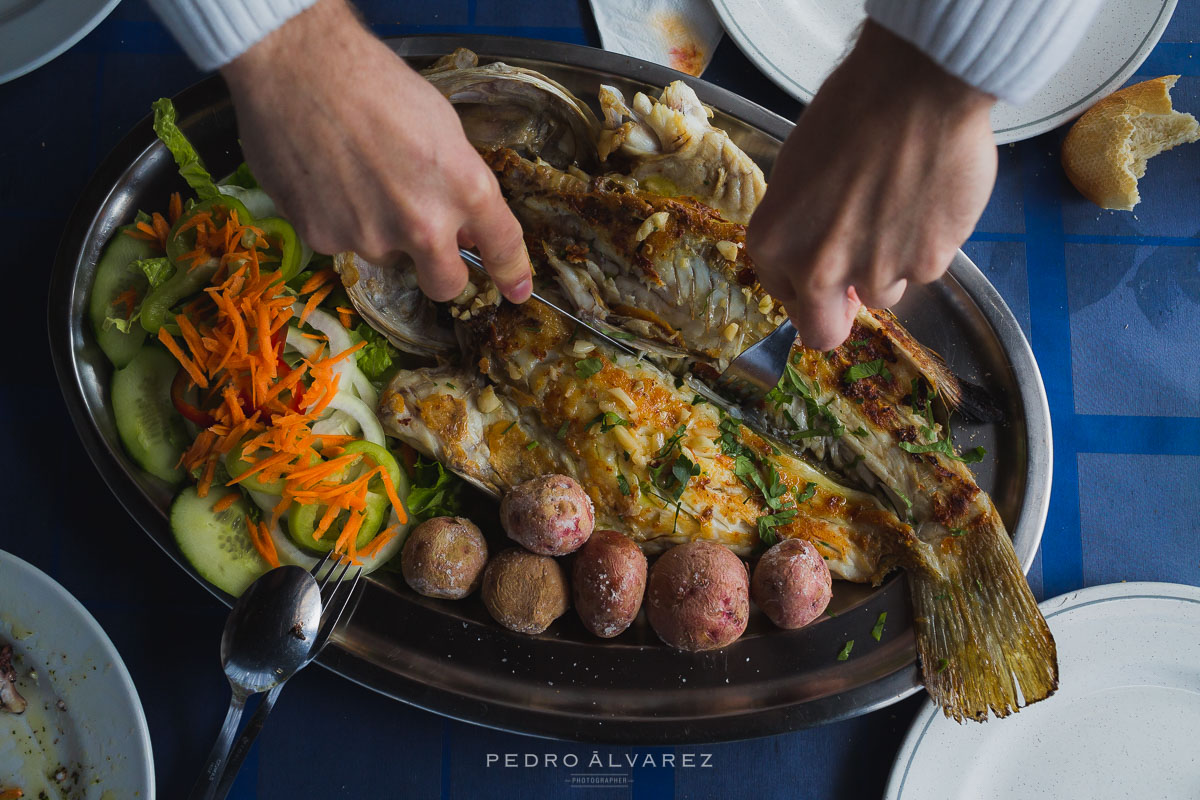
x=1110 y=302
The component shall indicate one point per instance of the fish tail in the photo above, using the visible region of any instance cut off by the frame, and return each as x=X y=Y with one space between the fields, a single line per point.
x=982 y=640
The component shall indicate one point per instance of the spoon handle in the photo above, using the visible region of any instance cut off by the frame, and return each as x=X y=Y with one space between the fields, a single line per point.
x=242 y=746
x=206 y=784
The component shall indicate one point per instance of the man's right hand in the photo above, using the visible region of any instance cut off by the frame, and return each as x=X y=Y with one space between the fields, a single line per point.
x=361 y=153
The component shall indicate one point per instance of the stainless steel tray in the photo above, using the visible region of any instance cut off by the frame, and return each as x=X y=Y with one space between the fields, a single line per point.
x=450 y=657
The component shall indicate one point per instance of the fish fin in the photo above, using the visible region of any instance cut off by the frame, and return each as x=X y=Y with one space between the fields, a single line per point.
x=982 y=640
x=931 y=365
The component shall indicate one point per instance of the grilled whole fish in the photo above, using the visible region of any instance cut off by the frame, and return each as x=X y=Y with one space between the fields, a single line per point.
x=853 y=408
x=656 y=462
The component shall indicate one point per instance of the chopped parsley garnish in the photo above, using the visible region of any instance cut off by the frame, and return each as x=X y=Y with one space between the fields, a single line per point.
x=587 y=367
x=810 y=489
x=956 y=532
x=607 y=420
x=532 y=445
x=877 y=631
x=671 y=470
x=845 y=653
x=697 y=400
x=860 y=432
x=943 y=446
x=678 y=382
x=867 y=369
x=509 y=428
x=859 y=342
x=767 y=523
x=621 y=335
x=942 y=664
x=451 y=386
x=623 y=484
x=562 y=430
x=822 y=420
x=941 y=596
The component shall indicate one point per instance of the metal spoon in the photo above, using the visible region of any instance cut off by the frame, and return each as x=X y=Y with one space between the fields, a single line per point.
x=267 y=638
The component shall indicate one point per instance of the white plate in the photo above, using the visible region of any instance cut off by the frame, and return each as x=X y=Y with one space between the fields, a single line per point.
x=1124 y=723
x=100 y=730
x=798 y=43
x=34 y=31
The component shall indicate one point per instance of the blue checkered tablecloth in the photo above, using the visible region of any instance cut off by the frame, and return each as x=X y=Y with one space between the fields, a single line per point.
x=1110 y=302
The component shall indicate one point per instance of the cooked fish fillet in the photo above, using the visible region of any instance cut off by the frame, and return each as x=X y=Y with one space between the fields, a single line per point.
x=671 y=148
x=852 y=407
x=657 y=463
x=668 y=269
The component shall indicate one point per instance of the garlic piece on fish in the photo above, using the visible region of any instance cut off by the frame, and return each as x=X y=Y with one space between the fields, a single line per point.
x=655 y=222
x=728 y=249
x=488 y=402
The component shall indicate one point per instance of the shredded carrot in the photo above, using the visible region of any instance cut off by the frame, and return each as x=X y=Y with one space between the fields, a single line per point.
x=230 y=343
x=127 y=299
x=226 y=501
x=268 y=544
x=346 y=317
x=318 y=280
x=375 y=545
x=193 y=371
x=12 y=794
x=313 y=302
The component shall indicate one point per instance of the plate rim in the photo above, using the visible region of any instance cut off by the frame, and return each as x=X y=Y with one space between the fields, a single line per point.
x=1068 y=601
x=891 y=687
x=72 y=604
x=1006 y=135
x=61 y=46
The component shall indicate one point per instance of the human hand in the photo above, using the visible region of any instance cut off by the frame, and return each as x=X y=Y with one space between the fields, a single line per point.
x=361 y=153
x=884 y=176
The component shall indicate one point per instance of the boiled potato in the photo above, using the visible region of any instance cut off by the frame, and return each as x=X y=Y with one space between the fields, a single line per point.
x=551 y=515
x=792 y=584
x=608 y=581
x=698 y=596
x=444 y=557
x=524 y=591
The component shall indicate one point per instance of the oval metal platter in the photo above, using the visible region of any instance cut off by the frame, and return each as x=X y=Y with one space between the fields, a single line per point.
x=451 y=658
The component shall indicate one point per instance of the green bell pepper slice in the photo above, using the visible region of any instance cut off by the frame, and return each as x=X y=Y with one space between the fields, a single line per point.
x=304 y=519
x=282 y=238
x=188 y=279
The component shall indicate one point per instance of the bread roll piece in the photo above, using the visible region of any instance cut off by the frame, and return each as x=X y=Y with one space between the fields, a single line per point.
x=1106 y=151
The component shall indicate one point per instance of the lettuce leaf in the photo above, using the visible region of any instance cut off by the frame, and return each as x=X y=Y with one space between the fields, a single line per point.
x=376 y=358
x=243 y=177
x=156 y=270
x=190 y=166
x=434 y=493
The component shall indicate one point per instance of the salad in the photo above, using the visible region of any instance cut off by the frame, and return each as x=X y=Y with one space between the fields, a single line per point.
x=244 y=375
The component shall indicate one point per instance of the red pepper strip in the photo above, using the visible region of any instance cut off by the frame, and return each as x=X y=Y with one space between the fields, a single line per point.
x=179 y=387
x=283 y=370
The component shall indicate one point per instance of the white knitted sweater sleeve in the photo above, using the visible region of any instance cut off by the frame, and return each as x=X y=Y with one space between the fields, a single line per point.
x=215 y=32
x=1008 y=48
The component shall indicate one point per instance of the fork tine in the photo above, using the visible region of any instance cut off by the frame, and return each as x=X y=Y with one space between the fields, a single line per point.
x=335 y=608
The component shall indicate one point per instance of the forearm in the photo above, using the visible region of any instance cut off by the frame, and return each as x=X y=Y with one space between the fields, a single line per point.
x=1007 y=48
x=215 y=32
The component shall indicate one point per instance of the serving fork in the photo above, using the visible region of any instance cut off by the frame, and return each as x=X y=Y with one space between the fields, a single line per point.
x=337 y=596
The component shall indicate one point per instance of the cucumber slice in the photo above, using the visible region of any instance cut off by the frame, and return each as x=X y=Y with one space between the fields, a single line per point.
x=216 y=543
x=113 y=277
x=151 y=430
